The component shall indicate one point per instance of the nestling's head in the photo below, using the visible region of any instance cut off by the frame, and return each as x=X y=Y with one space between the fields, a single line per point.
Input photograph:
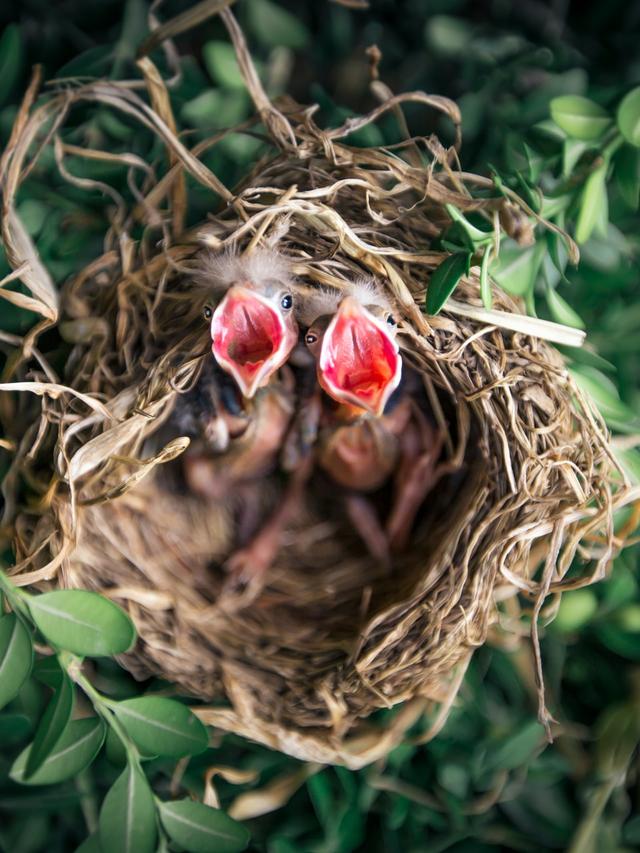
x=253 y=326
x=353 y=340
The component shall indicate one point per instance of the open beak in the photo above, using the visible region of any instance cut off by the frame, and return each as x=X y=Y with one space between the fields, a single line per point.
x=359 y=361
x=249 y=338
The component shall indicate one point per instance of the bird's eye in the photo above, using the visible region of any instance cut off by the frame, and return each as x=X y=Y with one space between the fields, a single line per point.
x=207 y=312
x=391 y=320
x=287 y=301
x=311 y=338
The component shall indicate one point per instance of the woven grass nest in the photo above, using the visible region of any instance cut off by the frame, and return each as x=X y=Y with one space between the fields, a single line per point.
x=332 y=637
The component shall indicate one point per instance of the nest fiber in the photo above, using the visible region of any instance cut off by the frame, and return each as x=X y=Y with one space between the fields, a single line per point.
x=333 y=636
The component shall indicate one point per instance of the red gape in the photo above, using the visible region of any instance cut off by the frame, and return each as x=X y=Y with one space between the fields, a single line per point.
x=250 y=339
x=359 y=361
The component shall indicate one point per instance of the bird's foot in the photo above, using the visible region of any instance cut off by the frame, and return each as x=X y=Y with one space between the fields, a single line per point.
x=247 y=570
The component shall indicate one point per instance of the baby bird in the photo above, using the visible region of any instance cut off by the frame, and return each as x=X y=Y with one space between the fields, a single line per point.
x=253 y=326
x=232 y=461
x=367 y=436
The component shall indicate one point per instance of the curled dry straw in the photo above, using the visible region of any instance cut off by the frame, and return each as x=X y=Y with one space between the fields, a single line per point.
x=332 y=637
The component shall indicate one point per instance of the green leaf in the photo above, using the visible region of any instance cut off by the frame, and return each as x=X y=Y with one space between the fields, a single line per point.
x=161 y=726
x=82 y=622
x=215 y=108
x=114 y=749
x=605 y=397
x=630 y=462
x=128 y=815
x=561 y=311
x=518 y=749
x=572 y=151
x=628 y=618
x=447 y=35
x=53 y=723
x=620 y=642
x=76 y=749
x=576 y=609
x=516 y=269
x=222 y=64
x=628 y=117
x=627 y=175
x=16 y=657
x=10 y=60
x=48 y=671
x=476 y=235
x=593 y=204
x=201 y=829
x=445 y=278
x=275 y=27
x=580 y=117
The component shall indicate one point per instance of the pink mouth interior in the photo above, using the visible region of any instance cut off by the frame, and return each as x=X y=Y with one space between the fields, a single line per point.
x=363 y=359
x=248 y=333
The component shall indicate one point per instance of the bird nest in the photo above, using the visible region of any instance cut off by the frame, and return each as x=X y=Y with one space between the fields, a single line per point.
x=333 y=635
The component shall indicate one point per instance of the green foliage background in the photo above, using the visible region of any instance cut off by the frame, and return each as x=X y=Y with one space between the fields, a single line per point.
x=488 y=782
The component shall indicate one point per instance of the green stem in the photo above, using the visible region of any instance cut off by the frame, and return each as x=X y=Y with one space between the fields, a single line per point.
x=584 y=840
x=16 y=597
x=610 y=149
x=72 y=664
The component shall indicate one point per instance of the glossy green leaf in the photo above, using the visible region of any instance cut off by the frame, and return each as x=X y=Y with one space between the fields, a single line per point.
x=561 y=311
x=201 y=829
x=114 y=749
x=161 y=726
x=580 y=117
x=128 y=815
x=275 y=26
x=16 y=656
x=445 y=279
x=48 y=671
x=75 y=750
x=593 y=204
x=516 y=269
x=476 y=235
x=628 y=117
x=53 y=723
x=82 y=622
